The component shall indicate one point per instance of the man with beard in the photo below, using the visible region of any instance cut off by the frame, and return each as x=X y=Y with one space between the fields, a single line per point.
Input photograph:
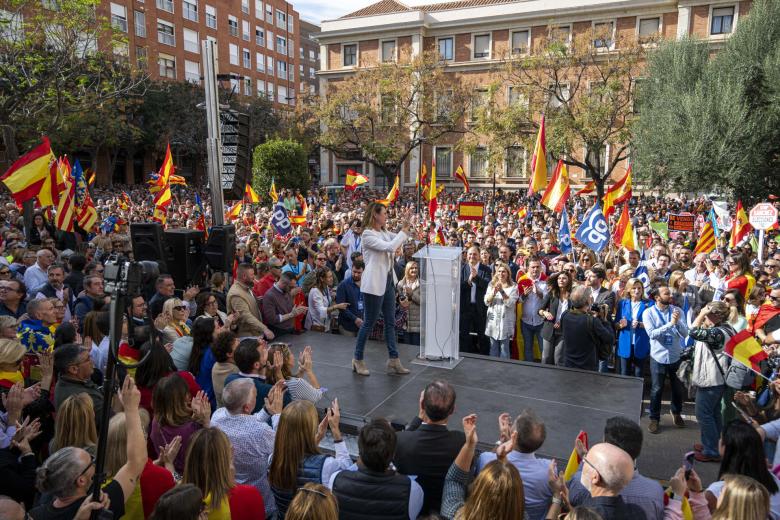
x=241 y=300
x=55 y=288
x=348 y=291
x=279 y=311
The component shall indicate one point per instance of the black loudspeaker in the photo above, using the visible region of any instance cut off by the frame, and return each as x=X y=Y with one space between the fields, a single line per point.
x=147 y=238
x=220 y=249
x=184 y=256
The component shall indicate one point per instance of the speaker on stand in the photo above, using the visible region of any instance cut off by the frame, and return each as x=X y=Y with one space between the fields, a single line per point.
x=220 y=249
x=184 y=257
x=148 y=243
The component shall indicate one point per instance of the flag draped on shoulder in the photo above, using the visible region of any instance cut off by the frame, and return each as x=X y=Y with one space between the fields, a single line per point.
x=461 y=176
x=354 y=179
x=28 y=175
x=539 y=163
x=557 y=192
x=624 y=231
x=618 y=193
x=250 y=195
x=741 y=228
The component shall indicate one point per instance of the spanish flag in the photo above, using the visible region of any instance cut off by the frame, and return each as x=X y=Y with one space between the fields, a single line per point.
x=393 y=195
x=354 y=179
x=27 y=176
x=574 y=459
x=461 y=176
x=422 y=177
x=624 y=231
x=234 y=211
x=163 y=197
x=433 y=204
x=297 y=220
x=746 y=349
x=741 y=227
x=617 y=193
x=706 y=242
x=438 y=237
x=539 y=163
x=272 y=192
x=590 y=187
x=250 y=195
x=557 y=192
x=522 y=212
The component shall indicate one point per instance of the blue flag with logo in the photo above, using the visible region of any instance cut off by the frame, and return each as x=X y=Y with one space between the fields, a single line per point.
x=641 y=271
x=280 y=221
x=564 y=235
x=594 y=232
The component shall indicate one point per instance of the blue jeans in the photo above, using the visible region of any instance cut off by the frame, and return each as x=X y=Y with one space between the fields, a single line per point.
x=372 y=306
x=708 y=414
x=499 y=348
x=631 y=366
x=529 y=333
x=659 y=372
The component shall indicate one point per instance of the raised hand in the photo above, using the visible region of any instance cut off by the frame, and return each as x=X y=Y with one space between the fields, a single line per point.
x=46 y=362
x=504 y=427
x=470 y=429
x=129 y=395
x=322 y=429
x=274 y=403
x=169 y=452
x=506 y=447
x=201 y=408
x=13 y=402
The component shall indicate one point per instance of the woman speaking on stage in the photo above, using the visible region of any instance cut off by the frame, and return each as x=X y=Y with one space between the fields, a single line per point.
x=378 y=285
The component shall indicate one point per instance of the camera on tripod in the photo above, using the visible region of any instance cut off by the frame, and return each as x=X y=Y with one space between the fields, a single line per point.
x=121 y=276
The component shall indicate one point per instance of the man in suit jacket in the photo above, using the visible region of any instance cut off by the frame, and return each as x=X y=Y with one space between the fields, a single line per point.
x=427 y=448
x=474 y=280
x=241 y=300
x=601 y=295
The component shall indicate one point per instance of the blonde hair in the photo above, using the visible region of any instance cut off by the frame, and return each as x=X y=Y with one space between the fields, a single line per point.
x=497 y=493
x=116 y=446
x=497 y=275
x=284 y=348
x=11 y=350
x=675 y=278
x=75 y=423
x=742 y=497
x=371 y=212
x=296 y=439
x=209 y=465
x=313 y=502
x=169 y=304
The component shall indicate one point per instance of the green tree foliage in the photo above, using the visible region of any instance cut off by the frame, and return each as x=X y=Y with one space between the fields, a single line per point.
x=713 y=124
x=282 y=160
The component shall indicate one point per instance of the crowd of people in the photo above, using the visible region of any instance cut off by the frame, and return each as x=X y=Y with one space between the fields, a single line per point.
x=220 y=421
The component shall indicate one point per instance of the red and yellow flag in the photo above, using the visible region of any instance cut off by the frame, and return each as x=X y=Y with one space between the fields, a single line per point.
x=66 y=208
x=27 y=175
x=422 y=177
x=234 y=211
x=746 y=349
x=433 y=204
x=393 y=194
x=574 y=459
x=741 y=228
x=297 y=220
x=539 y=163
x=557 y=192
x=624 y=231
x=706 y=242
x=354 y=179
x=617 y=193
x=471 y=211
x=461 y=176
x=163 y=196
x=272 y=192
x=178 y=180
x=522 y=212
x=438 y=237
x=250 y=195
x=590 y=187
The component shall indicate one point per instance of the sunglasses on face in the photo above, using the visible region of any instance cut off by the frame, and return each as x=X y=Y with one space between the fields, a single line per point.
x=179 y=308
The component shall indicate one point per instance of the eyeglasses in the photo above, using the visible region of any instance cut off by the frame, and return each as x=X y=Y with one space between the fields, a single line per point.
x=91 y=463
x=319 y=259
x=179 y=308
x=586 y=461
x=5 y=271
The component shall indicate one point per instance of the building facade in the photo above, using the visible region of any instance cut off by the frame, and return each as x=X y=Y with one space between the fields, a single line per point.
x=310 y=58
x=473 y=36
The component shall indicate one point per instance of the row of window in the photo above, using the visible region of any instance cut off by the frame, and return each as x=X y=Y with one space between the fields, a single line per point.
x=262 y=63
x=647 y=28
x=283 y=20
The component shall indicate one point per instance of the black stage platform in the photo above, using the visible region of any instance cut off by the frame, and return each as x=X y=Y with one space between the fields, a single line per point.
x=567 y=400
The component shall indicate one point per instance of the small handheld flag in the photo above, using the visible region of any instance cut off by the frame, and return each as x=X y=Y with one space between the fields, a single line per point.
x=745 y=348
x=280 y=221
x=250 y=195
x=574 y=459
x=461 y=176
x=641 y=271
x=354 y=179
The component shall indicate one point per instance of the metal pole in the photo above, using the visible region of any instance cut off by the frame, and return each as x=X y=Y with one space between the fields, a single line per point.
x=761 y=246
x=214 y=140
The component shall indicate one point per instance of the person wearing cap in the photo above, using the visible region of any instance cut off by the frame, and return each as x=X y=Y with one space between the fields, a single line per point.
x=74 y=367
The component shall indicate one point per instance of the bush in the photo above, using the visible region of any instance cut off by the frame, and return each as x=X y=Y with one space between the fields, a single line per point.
x=285 y=162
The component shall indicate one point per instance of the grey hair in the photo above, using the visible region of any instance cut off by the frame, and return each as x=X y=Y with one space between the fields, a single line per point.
x=57 y=475
x=33 y=306
x=531 y=432
x=236 y=394
x=580 y=297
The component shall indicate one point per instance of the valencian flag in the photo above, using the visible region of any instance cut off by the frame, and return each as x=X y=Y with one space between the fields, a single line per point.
x=706 y=242
x=272 y=192
x=354 y=179
x=28 y=174
x=471 y=211
x=177 y=180
x=590 y=187
x=66 y=206
x=461 y=176
x=422 y=177
x=124 y=201
x=393 y=195
x=617 y=193
x=624 y=231
x=433 y=203
x=746 y=349
x=574 y=459
x=741 y=228
x=557 y=192
x=539 y=163
x=86 y=214
x=250 y=195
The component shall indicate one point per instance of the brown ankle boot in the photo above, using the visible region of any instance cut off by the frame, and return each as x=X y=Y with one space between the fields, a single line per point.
x=359 y=367
x=394 y=366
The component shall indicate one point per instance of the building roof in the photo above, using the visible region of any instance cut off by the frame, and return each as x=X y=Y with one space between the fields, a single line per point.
x=393 y=6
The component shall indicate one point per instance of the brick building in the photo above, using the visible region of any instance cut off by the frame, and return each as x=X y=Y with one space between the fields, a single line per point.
x=471 y=37
x=310 y=57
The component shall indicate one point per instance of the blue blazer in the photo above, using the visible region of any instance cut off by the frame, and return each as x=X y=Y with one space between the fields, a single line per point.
x=641 y=340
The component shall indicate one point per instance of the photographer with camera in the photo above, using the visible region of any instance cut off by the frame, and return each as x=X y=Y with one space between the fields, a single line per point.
x=586 y=331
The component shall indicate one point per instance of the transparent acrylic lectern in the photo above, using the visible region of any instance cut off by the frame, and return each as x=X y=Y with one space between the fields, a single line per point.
x=439 y=305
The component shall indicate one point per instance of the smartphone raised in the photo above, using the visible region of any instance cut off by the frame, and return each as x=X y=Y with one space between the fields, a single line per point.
x=688 y=461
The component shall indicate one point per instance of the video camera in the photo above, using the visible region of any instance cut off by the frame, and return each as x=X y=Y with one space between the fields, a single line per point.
x=121 y=276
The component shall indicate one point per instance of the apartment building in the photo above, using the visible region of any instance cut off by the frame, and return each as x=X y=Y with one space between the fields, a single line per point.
x=257 y=41
x=310 y=58
x=473 y=36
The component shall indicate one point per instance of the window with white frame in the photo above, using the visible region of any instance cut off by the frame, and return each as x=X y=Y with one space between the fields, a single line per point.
x=260 y=88
x=141 y=58
x=312 y=73
x=119 y=17
x=443 y=104
x=478 y=162
x=290 y=24
x=561 y=34
x=270 y=40
x=516 y=161
x=247 y=86
x=121 y=49
x=349 y=54
x=165 y=33
x=290 y=48
x=232 y=25
x=190 y=40
x=521 y=42
x=311 y=54
x=302 y=54
x=481 y=46
x=558 y=96
x=189 y=10
x=192 y=71
x=246 y=58
x=165 y=5
x=283 y=98
x=167 y=65
x=602 y=158
x=722 y=20
x=139 y=18
x=245 y=6
x=269 y=65
x=281 y=19
x=269 y=13
x=388 y=51
x=211 y=17
x=447 y=48
x=604 y=35
x=259 y=36
x=10 y=25
x=234 y=86
x=233 y=52
x=245 y=30
x=270 y=91
x=259 y=9
x=516 y=96
x=281 y=45
x=479 y=101
x=260 y=62
x=648 y=29
x=300 y=69
x=281 y=69
x=443 y=156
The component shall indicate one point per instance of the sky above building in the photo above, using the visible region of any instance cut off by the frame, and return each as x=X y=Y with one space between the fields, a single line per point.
x=316 y=11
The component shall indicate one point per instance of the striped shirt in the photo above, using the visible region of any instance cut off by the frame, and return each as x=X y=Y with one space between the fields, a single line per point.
x=301 y=390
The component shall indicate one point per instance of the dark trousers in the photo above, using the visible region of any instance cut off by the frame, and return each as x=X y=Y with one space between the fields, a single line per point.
x=659 y=372
x=631 y=366
x=472 y=329
x=373 y=305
